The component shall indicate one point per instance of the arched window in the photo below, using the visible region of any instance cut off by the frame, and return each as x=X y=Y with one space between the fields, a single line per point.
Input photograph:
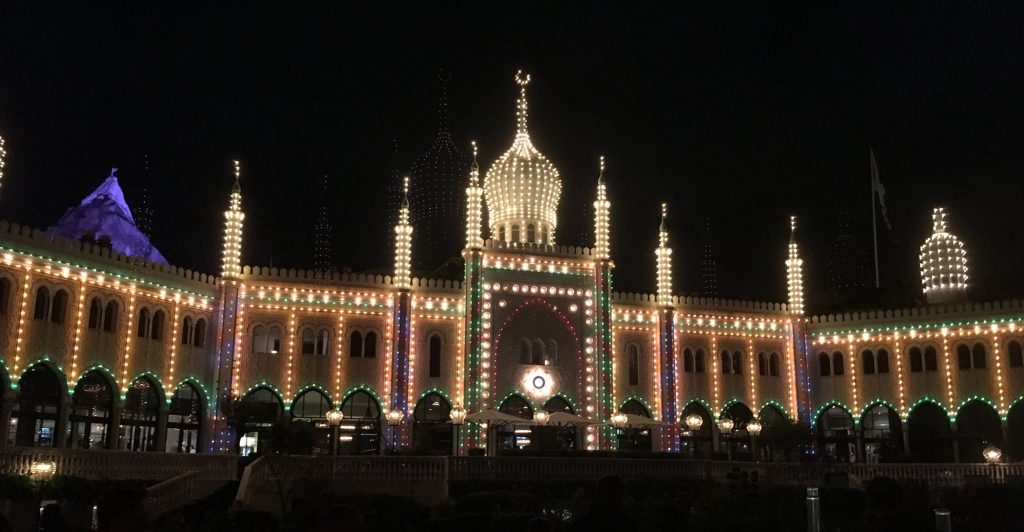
x=544 y=235
x=110 y=317
x=501 y=233
x=867 y=360
x=184 y=419
x=199 y=333
x=978 y=356
x=361 y=433
x=726 y=363
x=762 y=364
x=883 y=361
x=539 y=352
x=60 y=307
x=95 y=313
x=91 y=407
x=531 y=233
x=633 y=354
x=255 y=417
x=35 y=412
x=687 y=360
x=737 y=363
x=551 y=353
x=773 y=365
x=5 y=294
x=1016 y=354
x=355 y=344
x=143 y=327
x=259 y=339
x=274 y=340
x=698 y=361
x=311 y=404
x=323 y=341
x=370 y=345
x=824 y=364
x=186 y=331
x=157 y=332
x=525 y=351
x=308 y=341
x=963 y=357
x=837 y=364
x=42 y=303
x=931 y=359
x=916 y=360
x=515 y=233
x=432 y=428
x=139 y=417
x=435 y=356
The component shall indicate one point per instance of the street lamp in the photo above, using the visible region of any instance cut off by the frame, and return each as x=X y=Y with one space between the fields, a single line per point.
x=394 y=418
x=43 y=470
x=458 y=416
x=992 y=454
x=334 y=417
x=694 y=422
x=726 y=425
x=541 y=417
x=754 y=429
x=619 y=421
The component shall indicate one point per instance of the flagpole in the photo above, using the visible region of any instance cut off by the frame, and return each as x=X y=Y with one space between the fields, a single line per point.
x=874 y=217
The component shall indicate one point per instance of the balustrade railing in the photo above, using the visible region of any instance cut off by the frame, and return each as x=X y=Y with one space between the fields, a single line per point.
x=171 y=494
x=118 y=465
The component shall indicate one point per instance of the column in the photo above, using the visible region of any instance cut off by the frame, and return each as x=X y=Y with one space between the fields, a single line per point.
x=669 y=440
x=402 y=321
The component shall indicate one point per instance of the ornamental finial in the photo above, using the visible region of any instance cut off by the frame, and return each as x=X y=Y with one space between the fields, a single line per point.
x=238 y=174
x=522 y=79
x=600 y=175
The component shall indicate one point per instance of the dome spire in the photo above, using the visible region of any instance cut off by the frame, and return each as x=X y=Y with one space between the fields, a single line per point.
x=794 y=273
x=522 y=79
x=602 y=208
x=664 y=262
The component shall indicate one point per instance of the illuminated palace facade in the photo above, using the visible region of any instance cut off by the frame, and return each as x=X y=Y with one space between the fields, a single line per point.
x=103 y=350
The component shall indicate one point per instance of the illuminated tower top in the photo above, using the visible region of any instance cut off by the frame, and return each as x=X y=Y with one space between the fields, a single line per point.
x=794 y=272
x=403 y=242
x=943 y=261
x=522 y=186
x=233 y=218
x=664 y=261
x=602 y=208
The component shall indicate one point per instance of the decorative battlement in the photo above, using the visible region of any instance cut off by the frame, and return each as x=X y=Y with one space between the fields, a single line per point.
x=632 y=298
x=383 y=282
x=989 y=309
x=24 y=239
x=539 y=249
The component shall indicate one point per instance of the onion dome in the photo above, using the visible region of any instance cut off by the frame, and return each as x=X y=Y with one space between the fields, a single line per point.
x=522 y=187
x=943 y=263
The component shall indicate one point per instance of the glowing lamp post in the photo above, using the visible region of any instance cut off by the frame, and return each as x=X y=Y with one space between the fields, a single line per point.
x=619 y=421
x=43 y=470
x=725 y=425
x=394 y=418
x=458 y=417
x=992 y=454
x=541 y=418
x=334 y=417
x=693 y=422
x=754 y=429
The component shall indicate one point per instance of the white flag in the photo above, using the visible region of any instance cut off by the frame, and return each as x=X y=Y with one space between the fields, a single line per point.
x=878 y=188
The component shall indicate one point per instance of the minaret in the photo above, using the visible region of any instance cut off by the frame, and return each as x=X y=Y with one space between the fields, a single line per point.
x=227 y=322
x=708 y=264
x=604 y=396
x=403 y=242
x=794 y=273
x=322 y=230
x=474 y=206
x=602 y=210
x=144 y=212
x=3 y=160
x=233 y=217
x=402 y=364
x=664 y=255
x=943 y=261
x=669 y=437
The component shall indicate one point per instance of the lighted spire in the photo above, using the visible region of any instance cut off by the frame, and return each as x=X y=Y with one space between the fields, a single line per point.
x=602 y=209
x=403 y=242
x=522 y=80
x=794 y=272
x=664 y=261
x=943 y=261
x=3 y=160
x=474 y=205
x=322 y=230
x=233 y=218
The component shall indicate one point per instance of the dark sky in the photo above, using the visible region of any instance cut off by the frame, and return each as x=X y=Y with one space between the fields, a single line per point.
x=744 y=114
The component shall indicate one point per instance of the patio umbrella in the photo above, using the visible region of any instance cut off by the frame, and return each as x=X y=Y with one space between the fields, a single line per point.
x=565 y=419
x=634 y=421
x=495 y=418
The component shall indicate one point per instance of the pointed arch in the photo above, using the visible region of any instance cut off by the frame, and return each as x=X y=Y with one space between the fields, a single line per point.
x=42 y=391
x=777 y=406
x=143 y=401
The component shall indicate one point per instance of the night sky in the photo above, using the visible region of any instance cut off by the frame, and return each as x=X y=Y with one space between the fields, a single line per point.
x=745 y=114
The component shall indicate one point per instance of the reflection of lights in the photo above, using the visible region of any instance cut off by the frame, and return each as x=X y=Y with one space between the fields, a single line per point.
x=523 y=431
x=346 y=438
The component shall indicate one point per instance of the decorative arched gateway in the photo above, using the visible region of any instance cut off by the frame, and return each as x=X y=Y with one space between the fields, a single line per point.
x=432 y=427
x=139 y=419
x=836 y=436
x=977 y=426
x=698 y=443
x=359 y=432
x=553 y=437
x=773 y=441
x=883 y=434
x=515 y=436
x=36 y=409
x=737 y=441
x=930 y=434
x=311 y=406
x=254 y=416
x=184 y=420
x=92 y=407
x=635 y=439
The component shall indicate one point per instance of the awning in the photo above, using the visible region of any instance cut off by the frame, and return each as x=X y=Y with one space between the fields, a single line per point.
x=496 y=418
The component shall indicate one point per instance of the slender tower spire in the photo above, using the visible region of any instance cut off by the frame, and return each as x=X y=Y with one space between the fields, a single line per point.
x=602 y=210
x=709 y=264
x=144 y=212
x=3 y=160
x=664 y=256
x=233 y=218
x=403 y=242
x=522 y=79
x=322 y=231
x=474 y=205
x=794 y=272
